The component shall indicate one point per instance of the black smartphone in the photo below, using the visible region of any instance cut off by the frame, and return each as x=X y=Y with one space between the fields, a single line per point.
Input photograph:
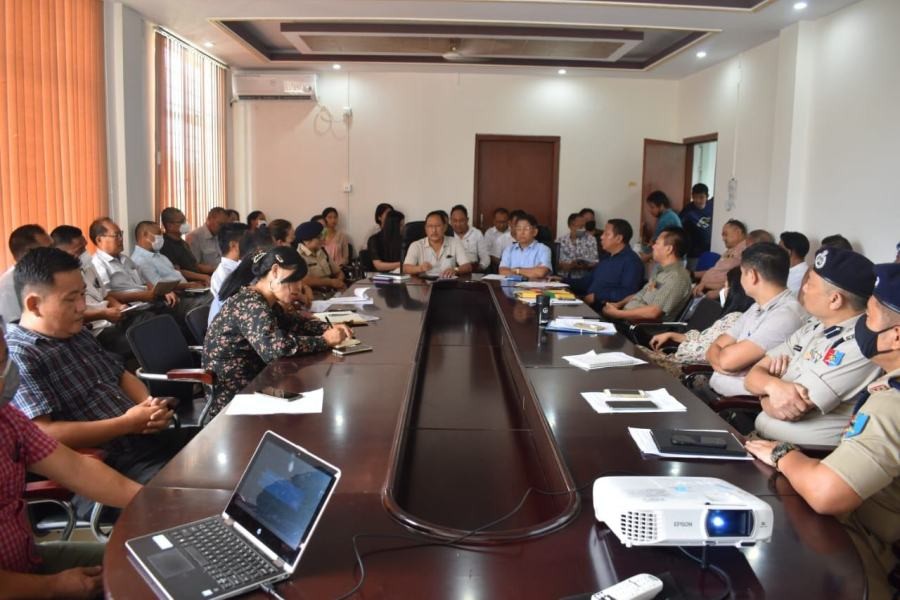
x=700 y=441
x=630 y=404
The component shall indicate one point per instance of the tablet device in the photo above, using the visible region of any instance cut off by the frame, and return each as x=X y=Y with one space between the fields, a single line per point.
x=352 y=349
x=164 y=287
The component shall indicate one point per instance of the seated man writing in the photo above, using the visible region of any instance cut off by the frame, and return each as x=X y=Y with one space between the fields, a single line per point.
x=773 y=317
x=808 y=383
x=436 y=255
x=526 y=256
x=616 y=276
x=75 y=391
x=668 y=290
x=860 y=480
x=49 y=569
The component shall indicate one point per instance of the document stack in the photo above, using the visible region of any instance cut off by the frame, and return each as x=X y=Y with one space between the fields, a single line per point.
x=389 y=278
x=591 y=360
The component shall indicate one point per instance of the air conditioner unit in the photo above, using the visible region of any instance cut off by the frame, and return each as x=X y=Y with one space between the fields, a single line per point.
x=264 y=85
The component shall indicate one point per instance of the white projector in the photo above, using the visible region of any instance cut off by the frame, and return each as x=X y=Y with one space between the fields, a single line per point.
x=681 y=511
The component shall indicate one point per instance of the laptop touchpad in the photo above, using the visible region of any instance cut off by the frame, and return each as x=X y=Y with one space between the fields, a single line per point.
x=170 y=563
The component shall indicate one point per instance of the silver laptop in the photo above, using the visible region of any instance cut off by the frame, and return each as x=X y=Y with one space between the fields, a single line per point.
x=259 y=537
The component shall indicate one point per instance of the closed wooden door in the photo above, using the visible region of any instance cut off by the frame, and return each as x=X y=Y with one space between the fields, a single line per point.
x=516 y=172
x=665 y=169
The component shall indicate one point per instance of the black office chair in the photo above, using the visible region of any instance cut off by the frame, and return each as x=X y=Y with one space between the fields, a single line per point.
x=170 y=368
x=413 y=231
x=544 y=236
x=698 y=313
x=365 y=260
x=554 y=257
x=197 y=320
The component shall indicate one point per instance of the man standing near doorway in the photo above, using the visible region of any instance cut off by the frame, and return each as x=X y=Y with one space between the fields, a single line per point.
x=696 y=218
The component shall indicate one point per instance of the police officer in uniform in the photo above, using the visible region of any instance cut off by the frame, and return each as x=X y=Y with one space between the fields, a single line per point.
x=324 y=277
x=860 y=479
x=807 y=385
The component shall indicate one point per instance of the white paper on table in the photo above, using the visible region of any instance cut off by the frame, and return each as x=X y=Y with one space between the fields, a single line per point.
x=581 y=326
x=536 y=285
x=493 y=277
x=591 y=360
x=553 y=301
x=664 y=401
x=647 y=445
x=344 y=316
x=263 y=404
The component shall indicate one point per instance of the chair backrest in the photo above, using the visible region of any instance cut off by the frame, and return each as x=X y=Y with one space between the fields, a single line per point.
x=544 y=235
x=705 y=313
x=554 y=257
x=413 y=231
x=197 y=321
x=159 y=346
x=365 y=260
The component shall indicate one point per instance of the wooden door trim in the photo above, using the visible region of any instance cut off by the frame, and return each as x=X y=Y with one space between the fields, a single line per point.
x=700 y=139
x=689 y=160
x=545 y=139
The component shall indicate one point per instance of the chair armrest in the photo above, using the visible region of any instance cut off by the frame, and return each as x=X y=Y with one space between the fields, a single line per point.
x=187 y=375
x=46 y=490
x=197 y=349
x=698 y=368
x=732 y=402
x=635 y=322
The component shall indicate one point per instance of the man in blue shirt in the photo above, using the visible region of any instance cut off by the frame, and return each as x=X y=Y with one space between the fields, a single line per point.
x=526 y=256
x=659 y=207
x=696 y=218
x=615 y=277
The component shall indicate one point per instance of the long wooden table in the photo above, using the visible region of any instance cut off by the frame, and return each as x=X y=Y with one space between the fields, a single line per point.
x=462 y=406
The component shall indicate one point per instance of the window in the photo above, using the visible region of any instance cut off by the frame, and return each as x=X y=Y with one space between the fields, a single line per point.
x=190 y=129
x=52 y=116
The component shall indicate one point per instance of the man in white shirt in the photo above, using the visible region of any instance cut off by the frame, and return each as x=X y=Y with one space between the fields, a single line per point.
x=797 y=246
x=471 y=238
x=202 y=240
x=153 y=266
x=766 y=324
x=436 y=255
x=116 y=270
x=499 y=237
x=21 y=240
x=230 y=240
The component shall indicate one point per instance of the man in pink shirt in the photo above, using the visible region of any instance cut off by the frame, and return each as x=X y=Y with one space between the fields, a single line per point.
x=734 y=234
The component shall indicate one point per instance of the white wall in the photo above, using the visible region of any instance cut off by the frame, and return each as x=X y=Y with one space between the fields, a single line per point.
x=815 y=116
x=411 y=142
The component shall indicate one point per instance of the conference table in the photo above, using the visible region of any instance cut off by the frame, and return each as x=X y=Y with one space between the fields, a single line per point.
x=464 y=411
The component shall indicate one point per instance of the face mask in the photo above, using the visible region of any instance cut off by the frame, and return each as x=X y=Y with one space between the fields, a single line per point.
x=867 y=340
x=723 y=294
x=10 y=382
x=157 y=243
x=85 y=259
x=185 y=228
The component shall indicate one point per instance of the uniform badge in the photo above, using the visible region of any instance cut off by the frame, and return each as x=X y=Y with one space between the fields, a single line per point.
x=857 y=425
x=833 y=357
x=821 y=258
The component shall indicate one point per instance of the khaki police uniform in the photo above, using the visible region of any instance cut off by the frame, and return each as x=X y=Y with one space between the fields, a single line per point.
x=828 y=363
x=669 y=289
x=868 y=460
x=318 y=263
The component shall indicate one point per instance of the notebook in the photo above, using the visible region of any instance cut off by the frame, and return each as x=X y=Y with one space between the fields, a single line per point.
x=259 y=537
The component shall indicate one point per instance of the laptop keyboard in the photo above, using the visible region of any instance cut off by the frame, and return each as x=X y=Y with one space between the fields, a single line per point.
x=225 y=556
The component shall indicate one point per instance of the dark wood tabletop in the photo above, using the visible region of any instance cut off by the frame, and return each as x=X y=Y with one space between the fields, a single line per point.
x=446 y=425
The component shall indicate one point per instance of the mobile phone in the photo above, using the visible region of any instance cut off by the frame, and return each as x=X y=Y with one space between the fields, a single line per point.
x=702 y=441
x=280 y=393
x=625 y=393
x=630 y=404
x=352 y=350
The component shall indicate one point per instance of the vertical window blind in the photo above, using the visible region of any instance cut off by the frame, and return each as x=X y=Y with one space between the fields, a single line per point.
x=52 y=115
x=190 y=129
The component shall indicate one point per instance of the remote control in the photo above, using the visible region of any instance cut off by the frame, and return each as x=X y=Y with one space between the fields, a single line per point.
x=639 y=587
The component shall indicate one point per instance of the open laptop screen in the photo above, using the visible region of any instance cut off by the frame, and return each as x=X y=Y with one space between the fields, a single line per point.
x=281 y=495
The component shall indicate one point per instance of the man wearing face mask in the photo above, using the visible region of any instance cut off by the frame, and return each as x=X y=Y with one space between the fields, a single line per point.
x=860 y=479
x=774 y=316
x=178 y=251
x=21 y=240
x=54 y=569
x=807 y=384
x=154 y=266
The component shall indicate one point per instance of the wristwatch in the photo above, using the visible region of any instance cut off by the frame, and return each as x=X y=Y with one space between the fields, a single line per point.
x=779 y=451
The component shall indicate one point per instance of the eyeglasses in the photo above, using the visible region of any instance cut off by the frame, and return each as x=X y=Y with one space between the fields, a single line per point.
x=118 y=235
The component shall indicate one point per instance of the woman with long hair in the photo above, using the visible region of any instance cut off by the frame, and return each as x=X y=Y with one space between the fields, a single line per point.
x=335 y=243
x=386 y=246
x=260 y=321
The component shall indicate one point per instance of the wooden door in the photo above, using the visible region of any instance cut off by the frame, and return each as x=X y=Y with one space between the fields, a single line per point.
x=516 y=172
x=665 y=169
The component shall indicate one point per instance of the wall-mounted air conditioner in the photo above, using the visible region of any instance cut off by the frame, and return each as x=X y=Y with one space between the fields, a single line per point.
x=265 y=85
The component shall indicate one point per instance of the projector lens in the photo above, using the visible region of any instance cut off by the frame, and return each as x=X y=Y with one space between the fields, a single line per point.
x=729 y=523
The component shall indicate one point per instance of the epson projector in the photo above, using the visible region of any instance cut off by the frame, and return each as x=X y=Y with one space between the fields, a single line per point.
x=681 y=511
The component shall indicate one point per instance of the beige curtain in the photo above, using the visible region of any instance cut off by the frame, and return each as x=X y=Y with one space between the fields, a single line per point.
x=52 y=115
x=190 y=129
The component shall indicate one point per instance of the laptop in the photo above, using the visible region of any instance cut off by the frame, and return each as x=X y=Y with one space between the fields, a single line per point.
x=259 y=537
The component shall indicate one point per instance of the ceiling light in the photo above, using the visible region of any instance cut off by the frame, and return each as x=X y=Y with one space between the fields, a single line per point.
x=800 y=5
x=701 y=54
x=561 y=72
x=336 y=67
x=208 y=44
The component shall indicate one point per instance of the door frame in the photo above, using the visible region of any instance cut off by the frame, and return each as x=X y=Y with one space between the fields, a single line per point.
x=690 y=142
x=491 y=137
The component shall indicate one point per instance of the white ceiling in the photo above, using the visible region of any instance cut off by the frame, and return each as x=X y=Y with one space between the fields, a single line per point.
x=736 y=31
